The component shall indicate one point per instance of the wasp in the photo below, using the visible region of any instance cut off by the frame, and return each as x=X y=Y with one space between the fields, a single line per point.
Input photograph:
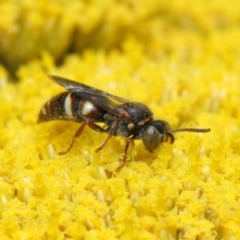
x=91 y=106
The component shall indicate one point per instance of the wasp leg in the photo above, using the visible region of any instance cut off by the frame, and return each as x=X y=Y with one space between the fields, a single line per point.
x=111 y=132
x=95 y=127
x=79 y=132
x=129 y=142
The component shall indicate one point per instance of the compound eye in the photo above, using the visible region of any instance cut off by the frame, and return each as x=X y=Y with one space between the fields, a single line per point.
x=152 y=138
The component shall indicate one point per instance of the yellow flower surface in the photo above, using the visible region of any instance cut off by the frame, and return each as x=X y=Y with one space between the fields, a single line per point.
x=179 y=58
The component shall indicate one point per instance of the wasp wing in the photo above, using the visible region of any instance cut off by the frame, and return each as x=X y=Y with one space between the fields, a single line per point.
x=105 y=100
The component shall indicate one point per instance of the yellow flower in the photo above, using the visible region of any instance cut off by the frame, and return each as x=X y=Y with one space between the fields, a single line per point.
x=181 y=60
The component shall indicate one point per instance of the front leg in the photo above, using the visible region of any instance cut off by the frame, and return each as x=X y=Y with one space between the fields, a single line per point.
x=129 y=142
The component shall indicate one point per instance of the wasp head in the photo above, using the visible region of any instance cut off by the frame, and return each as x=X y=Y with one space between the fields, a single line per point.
x=159 y=131
x=155 y=133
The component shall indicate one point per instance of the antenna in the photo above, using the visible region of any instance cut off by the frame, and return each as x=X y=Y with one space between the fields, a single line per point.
x=198 y=130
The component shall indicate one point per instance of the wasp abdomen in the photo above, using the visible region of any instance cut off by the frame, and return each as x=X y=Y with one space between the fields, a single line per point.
x=59 y=107
x=90 y=111
x=69 y=106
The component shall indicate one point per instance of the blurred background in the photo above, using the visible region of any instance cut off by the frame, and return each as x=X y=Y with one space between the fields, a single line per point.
x=181 y=28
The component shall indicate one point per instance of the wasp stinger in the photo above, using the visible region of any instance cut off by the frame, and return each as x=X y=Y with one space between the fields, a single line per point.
x=88 y=105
